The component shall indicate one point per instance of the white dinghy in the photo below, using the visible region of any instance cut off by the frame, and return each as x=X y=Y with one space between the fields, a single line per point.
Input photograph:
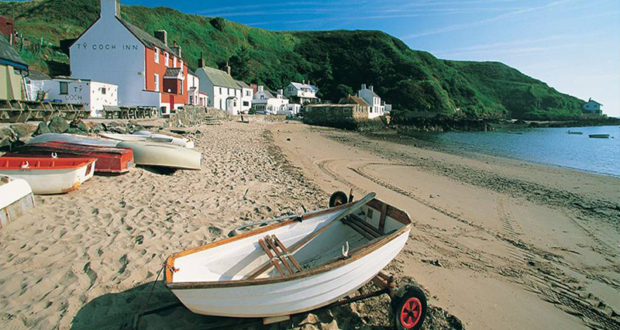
x=300 y=264
x=146 y=136
x=15 y=199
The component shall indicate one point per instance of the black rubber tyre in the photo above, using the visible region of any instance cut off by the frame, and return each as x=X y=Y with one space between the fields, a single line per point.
x=338 y=198
x=409 y=306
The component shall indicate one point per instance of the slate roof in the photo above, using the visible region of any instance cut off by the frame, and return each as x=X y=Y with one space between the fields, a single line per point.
x=300 y=86
x=38 y=75
x=373 y=93
x=174 y=73
x=219 y=78
x=8 y=55
x=145 y=38
x=242 y=84
x=357 y=100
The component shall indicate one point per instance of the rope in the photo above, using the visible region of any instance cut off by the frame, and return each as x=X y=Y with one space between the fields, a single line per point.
x=148 y=300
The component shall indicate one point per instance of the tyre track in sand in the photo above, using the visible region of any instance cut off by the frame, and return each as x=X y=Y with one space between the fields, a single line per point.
x=540 y=276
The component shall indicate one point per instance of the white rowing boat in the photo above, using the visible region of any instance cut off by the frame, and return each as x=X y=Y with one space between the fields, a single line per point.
x=297 y=265
x=15 y=199
x=146 y=136
x=49 y=175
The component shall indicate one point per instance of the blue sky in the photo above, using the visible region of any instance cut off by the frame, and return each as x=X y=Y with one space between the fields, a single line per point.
x=573 y=45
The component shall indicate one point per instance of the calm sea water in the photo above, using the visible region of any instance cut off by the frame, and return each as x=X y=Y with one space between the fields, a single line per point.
x=553 y=146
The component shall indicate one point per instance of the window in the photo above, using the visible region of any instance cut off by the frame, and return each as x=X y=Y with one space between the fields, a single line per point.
x=156 y=50
x=181 y=87
x=156 y=88
x=103 y=91
x=64 y=88
x=167 y=56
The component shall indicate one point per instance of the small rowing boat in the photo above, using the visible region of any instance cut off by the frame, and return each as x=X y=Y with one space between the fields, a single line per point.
x=298 y=264
x=599 y=136
x=575 y=132
x=110 y=160
x=15 y=199
x=49 y=175
x=146 y=136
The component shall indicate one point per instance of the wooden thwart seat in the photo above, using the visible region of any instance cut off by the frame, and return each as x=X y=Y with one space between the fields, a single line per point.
x=275 y=250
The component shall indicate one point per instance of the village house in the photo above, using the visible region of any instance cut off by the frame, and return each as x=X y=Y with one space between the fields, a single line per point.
x=247 y=94
x=265 y=102
x=592 y=108
x=12 y=72
x=291 y=110
x=374 y=101
x=94 y=95
x=34 y=85
x=301 y=93
x=224 y=93
x=147 y=71
x=194 y=96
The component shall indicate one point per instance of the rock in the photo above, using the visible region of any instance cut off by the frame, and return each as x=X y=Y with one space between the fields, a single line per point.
x=96 y=128
x=58 y=125
x=7 y=137
x=42 y=128
x=333 y=325
x=22 y=130
x=80 y=125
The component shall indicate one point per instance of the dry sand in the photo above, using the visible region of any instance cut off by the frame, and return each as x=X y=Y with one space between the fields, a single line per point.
x=499 y=244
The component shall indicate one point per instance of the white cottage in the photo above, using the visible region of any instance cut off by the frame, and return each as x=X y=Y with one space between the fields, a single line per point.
x=247 y=94
x=373 y=100
x=592 y=107
x=93 y=94
x=224 y=93
x=194 y=96
x=301 y=93
x=265 y=102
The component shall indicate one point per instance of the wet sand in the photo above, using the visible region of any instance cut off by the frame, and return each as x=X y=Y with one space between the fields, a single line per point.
x=494 y=239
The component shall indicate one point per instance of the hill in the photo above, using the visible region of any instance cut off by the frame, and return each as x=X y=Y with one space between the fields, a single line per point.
x=336 y=61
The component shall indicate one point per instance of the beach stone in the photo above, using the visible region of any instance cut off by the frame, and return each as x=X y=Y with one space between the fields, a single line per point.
x=23 y=130
x=58 y=125
x=7 y=137
x=42 y=128
x=80 y=125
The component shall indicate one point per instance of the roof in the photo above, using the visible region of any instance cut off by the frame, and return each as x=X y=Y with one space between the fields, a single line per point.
x=219 y=78
x=300 y=86
x=371 y=92
x=145 y=38
x=38 y=75
x=174 y=73
x=355 y=99
x=242 y=84
x=592 y=101
x=10 y=56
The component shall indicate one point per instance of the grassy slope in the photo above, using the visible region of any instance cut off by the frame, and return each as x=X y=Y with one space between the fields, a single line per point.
x=337 y=61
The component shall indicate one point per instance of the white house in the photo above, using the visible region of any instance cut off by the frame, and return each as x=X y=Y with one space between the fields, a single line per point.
x=265 y=101
x=373 y=100
x=291 y=110
x=592 y=107
x=147 y=71
x=34 y=85
x=301 y=93
x=224 y=93
x=82 y=91
x=247 y=94
x=194 y=96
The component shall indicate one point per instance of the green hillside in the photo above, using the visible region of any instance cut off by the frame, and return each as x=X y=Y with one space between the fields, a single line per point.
x=336 y=61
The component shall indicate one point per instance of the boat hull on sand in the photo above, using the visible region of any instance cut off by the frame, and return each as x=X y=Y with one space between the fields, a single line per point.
x=163 y=155
x=47 y=176
x=218 y=278
x=146 y=136
x=69 y=138
x=16 y=199
x=110 y=161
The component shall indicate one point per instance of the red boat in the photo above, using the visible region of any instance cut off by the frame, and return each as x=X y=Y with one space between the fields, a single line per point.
x=110 y=161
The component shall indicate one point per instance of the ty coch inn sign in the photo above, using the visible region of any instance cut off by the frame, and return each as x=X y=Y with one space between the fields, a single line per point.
x=104 y=47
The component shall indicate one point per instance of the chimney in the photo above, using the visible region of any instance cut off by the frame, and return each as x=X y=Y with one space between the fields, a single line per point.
x=201 y=62
x=162 y=35
x=177 y=49
x=227 y=68
x=363 y=86
x=372 y=89
x=303 y=81
x=260 y=89
x=280 y=92
x=110 y=8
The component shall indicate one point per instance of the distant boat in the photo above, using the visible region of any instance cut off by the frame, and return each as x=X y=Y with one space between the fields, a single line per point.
x=15 y=199
x=599 y=136
x=110 y=160
x=48 y=176
x=575 y=132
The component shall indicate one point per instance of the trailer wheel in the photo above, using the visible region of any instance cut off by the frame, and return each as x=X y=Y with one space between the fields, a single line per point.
x=409 y=308
x=338 y=198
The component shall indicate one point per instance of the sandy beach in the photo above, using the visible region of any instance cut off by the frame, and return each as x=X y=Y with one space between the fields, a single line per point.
x=497 y=243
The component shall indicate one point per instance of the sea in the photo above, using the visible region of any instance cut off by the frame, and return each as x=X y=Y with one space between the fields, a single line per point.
x=551 y=146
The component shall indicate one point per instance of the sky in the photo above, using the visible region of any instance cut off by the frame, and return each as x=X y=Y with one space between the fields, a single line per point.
x=573 y=45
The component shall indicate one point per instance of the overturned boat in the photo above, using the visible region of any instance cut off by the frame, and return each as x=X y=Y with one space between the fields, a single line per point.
x=146 y=136
x=15 y=199
x=49 y=175
x=298 y=264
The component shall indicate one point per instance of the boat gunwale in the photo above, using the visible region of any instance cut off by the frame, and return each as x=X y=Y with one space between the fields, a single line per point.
x=356 y=254
x=79 y=163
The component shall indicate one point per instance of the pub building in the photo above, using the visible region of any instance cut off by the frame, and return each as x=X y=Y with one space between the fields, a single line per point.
x=147 y=71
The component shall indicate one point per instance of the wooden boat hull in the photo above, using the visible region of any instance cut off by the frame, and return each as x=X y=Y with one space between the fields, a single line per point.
x=49 y=180
x=16 y=199
x=163 y=155
x=110 y=161
x=222 y=278
x=294 y=296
